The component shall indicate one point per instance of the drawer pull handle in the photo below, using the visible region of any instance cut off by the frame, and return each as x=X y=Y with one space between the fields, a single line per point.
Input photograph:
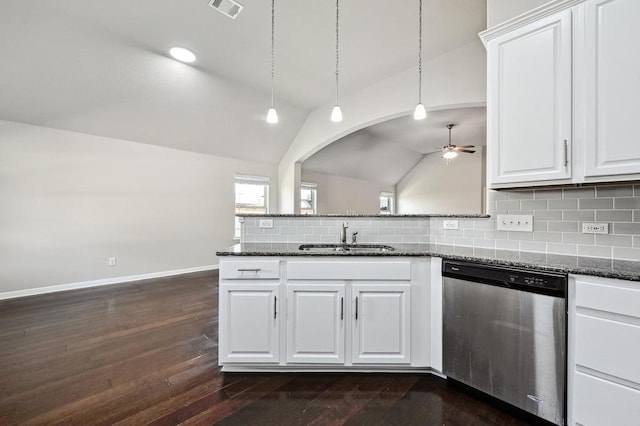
x=256 y=270
x=275 y=305
x=342 y=308
x=535 y=398
x=566 y=153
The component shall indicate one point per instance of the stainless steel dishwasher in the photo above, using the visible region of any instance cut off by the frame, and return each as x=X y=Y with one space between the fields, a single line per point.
x=505 y=334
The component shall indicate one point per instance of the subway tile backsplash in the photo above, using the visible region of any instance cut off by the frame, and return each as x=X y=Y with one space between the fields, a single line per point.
x=406 y=230
x=558 y=215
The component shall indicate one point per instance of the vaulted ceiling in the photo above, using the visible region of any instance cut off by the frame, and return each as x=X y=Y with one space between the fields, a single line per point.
x=387 y=151
x=101 y=67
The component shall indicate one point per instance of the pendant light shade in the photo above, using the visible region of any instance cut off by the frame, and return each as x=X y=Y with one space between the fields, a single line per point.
x=272 y=114
x=420 y=113
x=336 y=112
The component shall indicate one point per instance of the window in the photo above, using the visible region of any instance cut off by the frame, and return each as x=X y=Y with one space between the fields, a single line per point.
x=308 y=198
x=386 y=203
x=252 y=197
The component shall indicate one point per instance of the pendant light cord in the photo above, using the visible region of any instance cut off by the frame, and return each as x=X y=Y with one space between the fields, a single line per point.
x=420 y=54
x=337 y=46
x=273 y=56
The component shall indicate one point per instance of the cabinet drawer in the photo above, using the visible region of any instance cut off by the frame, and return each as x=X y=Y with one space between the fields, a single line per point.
x=319 y=270
x=250 y=270
x=600 y=402
x=608 y=346
x=609 y=298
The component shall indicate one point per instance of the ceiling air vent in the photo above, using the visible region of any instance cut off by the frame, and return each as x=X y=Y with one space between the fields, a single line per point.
x=228 y=8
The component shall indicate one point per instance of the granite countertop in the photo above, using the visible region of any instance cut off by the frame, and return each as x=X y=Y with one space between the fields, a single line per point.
x=311 y=216
x=601 y=267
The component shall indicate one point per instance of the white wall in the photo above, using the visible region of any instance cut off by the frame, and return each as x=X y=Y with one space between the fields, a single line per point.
x=339 y=194
x=501 y=10
x=434 y=187
x=71 y=200
x=457 y=78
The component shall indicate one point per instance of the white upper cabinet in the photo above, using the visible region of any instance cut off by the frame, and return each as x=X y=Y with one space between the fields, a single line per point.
x=529 y=102
x=612 y=79
x=563 y=94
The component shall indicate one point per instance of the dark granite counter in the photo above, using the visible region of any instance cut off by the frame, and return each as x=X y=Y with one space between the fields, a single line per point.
x=601 y=267
x=381 y=216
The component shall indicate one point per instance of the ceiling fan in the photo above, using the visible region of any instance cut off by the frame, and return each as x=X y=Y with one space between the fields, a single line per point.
x=451 y=151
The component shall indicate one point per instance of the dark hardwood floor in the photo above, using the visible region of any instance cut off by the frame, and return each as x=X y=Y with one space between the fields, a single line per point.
x=146 y=353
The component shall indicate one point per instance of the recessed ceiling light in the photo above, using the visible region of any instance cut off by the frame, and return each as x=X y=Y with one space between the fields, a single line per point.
x=182 y=54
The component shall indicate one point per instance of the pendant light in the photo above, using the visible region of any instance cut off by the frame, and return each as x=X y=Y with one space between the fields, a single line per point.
x=272 y=114
x=420 y=113
x=336 y=112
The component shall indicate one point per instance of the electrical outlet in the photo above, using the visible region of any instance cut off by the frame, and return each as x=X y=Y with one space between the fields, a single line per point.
x=265 y=223
x=515 y=222
x=112 y=261
x=595 y=228
x=450 y=224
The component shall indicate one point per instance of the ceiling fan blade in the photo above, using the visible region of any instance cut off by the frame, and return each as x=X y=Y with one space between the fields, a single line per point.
x=469 y=151
x=467 y=146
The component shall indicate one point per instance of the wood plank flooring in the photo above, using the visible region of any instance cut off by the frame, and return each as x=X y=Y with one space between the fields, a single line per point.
x=146 y=353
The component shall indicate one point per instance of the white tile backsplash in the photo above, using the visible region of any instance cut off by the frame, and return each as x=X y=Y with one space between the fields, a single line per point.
x=558 y=215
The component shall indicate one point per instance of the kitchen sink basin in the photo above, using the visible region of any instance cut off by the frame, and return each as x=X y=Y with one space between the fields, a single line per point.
x=351 y=248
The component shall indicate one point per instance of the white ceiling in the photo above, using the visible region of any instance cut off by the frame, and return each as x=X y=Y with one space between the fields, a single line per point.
x=100 y=67
x=387 y=151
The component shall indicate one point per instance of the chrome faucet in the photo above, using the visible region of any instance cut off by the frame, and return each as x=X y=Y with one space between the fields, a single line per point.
x=343 y=233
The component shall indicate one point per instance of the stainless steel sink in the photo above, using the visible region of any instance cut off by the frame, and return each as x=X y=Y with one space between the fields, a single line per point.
x=359 y=248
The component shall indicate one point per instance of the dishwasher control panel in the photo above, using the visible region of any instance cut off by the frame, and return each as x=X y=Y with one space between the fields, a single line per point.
x=523 y=279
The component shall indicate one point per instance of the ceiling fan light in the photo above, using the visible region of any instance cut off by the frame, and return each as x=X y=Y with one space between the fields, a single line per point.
x=419 y=113
x=449 y=155
x=272 y=116
x=336 y=114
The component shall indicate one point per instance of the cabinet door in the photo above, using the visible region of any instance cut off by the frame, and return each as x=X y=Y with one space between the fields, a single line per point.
x=604 y=342
x=381 y=324
x=612 y=87
x=529 y=102
x=315 y=323
x=249 y=330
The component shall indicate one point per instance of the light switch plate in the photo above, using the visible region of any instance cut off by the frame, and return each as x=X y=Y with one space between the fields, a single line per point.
x=515 y=222
x=265 y=223
x=450 y=224
x=595 y=228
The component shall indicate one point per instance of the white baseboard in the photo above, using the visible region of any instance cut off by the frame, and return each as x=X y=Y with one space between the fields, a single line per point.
x=105 y=281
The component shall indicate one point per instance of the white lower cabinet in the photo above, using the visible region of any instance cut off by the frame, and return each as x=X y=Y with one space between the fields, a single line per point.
x=379 y=320
x=249 y=325
x=330 y=314
x=381 y=324
x=604 y=343
x=315 y=323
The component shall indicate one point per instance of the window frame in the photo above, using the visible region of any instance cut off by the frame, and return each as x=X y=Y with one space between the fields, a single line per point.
x=263 y=181
x=313 y=187
x=391 y=196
